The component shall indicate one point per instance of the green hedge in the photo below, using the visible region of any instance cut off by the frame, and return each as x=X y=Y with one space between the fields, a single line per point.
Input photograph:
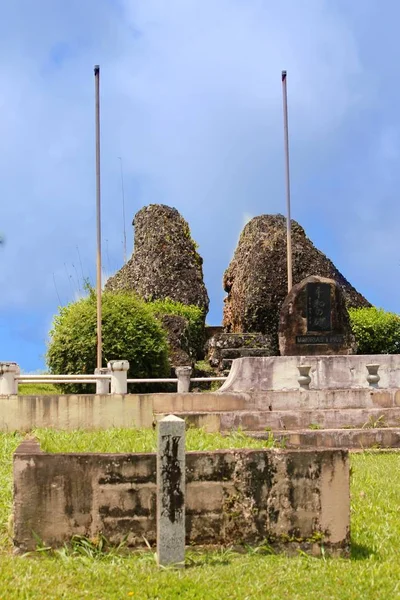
x=130 y=331
x=376 y=330
x=194 y=316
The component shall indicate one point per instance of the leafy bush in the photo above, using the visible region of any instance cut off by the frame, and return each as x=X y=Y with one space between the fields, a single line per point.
x=130 y=331
x=194 y=316
x=376 y=330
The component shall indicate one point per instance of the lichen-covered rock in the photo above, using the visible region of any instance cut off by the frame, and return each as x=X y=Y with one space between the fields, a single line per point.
x=165 y=262
x=180 y=354
x=256 y=279
x=222 y=348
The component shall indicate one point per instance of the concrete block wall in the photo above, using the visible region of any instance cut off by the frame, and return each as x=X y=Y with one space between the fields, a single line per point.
x=289 y=497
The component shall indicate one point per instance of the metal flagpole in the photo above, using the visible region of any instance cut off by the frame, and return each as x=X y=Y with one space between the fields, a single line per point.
x=288 y=222
x=98 y=216
x=123 y=207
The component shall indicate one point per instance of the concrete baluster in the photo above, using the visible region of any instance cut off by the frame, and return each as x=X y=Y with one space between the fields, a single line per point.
x=373 y=377
x=102 y=385
x=304 y=378
x=183 y=374
x=8 y=382
x=119 y=375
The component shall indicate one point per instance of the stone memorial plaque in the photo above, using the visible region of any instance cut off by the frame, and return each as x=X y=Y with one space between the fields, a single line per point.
x=314 y=320
x=320 y=339
x=319 y=307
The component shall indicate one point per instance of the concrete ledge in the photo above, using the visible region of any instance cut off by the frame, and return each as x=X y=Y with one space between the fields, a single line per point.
x=291 y=498
x=325 y=399
x=207 y=402
x=291 y=419
x=358 y=439
x=276 y=400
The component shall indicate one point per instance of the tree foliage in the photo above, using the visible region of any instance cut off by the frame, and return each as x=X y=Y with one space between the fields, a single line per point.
x=130 y=331
x=377 y=331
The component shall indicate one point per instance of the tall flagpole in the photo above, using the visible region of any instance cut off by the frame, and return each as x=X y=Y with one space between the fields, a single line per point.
x=98 y=216
x=288 y=222
x=123 y=207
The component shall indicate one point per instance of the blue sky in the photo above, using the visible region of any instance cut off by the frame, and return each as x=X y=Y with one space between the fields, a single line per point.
x=191 y=101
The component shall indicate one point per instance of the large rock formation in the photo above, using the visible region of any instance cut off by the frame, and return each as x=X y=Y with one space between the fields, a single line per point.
x=165 y=262
x=256 y=279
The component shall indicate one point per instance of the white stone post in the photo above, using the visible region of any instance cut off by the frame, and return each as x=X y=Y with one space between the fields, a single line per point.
x=102 y=385
x=119 y=376
x=171 y=478
x=8 y=383
x=183 y=374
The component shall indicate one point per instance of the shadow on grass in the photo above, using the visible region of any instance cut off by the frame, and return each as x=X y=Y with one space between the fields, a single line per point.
x=360 y=552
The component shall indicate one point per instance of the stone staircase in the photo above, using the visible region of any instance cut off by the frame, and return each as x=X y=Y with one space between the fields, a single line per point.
x=223 y=348
x=355 y=419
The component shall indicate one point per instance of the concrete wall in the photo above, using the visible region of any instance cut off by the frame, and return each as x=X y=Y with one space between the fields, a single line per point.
x=290 y=497
x=77 y=411
x=24 y=413
x=327 y=372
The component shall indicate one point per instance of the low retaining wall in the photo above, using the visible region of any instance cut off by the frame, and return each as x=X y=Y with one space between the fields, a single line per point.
x=80 y=411
x=24 y=413
x=235 y=496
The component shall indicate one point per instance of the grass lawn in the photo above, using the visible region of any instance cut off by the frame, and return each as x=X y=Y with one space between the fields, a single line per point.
x=373 y=571
x=37 y=389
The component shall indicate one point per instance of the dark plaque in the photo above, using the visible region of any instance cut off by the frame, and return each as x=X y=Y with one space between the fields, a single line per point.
x=331 y=338
x=318 y=307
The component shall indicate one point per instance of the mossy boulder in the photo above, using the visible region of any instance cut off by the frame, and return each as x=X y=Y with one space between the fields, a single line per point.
x=165 y=262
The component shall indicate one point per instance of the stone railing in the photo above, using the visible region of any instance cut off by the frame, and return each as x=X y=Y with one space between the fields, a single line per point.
x=113 y=379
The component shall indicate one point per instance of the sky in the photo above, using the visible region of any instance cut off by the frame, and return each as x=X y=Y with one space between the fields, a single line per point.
x=191 y=108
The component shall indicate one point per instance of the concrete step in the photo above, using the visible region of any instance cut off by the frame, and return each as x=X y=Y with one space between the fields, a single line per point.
x=357 y=439
x=324 y=399
x=293 y=420
x=199 y=402
x=281 y=400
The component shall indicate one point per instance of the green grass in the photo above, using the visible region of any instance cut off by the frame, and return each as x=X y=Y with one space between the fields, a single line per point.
x=372 y=572
x=142 y=440
x=37 y=389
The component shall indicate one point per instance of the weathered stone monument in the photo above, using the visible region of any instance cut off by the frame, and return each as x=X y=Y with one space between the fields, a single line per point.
x=256 y=279
x=314 y=320
x=165 y=262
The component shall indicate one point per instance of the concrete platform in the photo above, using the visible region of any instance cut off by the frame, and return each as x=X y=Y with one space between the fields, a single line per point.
x=253 y=374
x=276 y=400
x=352 y=439
x=293 y=420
